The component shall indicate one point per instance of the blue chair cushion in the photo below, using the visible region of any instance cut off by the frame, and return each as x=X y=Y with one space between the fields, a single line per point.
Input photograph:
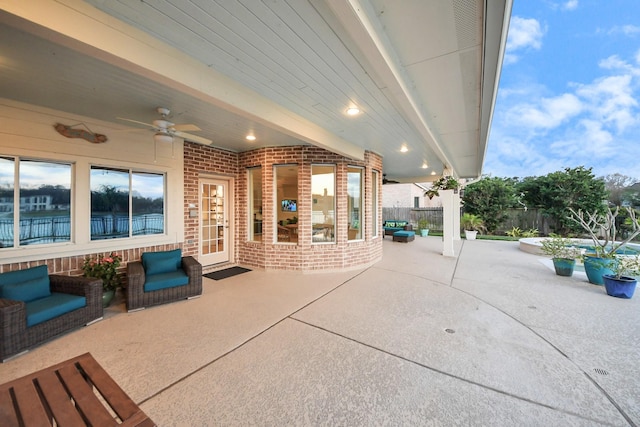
x=162 y=262
x=57 y=304
x=25 y=285
x=404 y=233
x=157 y=282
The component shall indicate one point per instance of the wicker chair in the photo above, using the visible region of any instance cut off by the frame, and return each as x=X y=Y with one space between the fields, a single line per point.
x=138 y=298
x=16 y=336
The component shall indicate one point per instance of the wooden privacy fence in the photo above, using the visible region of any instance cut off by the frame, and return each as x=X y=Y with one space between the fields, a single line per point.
x=432 y=215
x=525 y=220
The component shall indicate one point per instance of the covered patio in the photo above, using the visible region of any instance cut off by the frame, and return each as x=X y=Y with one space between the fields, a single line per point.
x=490 y=337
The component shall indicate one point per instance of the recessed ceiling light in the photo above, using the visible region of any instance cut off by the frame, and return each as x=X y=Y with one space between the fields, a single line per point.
x=433 y=172
x=425 y=165
x=404 y=149
x=353 y=111
x=251 y=138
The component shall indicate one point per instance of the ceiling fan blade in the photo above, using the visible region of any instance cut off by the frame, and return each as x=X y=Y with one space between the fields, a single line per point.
x=193 y=138
x=135 y=121
x=130 y=130
x=186 y=128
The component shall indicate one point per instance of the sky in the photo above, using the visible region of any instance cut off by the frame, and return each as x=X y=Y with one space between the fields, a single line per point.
x=569 y=92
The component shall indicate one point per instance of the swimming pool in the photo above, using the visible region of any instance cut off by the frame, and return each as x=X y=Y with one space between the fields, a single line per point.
x=533 y=245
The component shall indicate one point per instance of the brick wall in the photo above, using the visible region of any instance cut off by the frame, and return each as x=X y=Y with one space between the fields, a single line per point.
x=202 y=161
x=72 y=266
x=304 y=255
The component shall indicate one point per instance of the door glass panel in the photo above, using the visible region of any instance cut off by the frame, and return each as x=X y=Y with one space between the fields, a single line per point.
x=212 y=219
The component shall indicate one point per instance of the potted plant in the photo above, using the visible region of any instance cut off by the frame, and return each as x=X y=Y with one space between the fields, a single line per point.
x=602 y=229
x=622 y=283
x=471 y=224
x=423 y=227
x=443 y=183
x=562 y=253
x=105 y=268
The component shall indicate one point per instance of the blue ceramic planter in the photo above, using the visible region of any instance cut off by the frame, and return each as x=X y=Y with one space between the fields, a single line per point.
x=564 y=266
x=624 y=287
x=597 y=267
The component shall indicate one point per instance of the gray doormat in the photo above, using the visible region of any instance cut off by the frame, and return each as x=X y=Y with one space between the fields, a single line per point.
x=227 y=272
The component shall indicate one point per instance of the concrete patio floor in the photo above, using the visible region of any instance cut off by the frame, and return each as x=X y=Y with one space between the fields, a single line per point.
x=490 y=337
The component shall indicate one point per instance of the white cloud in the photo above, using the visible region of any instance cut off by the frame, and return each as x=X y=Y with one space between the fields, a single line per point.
x=524 y=33
x=513 y=156
x=613 y=62
x=546 y=113
x=570 y=5
x=637 y=58
x=509 y=59
x=611 y=100
x=591 y=124
x=595 y=140
x=627 y=30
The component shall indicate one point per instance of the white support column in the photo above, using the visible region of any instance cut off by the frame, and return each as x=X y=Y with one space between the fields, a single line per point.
x=448 y=214
x=456 y=215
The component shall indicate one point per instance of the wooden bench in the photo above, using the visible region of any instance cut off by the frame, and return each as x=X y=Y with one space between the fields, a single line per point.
x=77 y=392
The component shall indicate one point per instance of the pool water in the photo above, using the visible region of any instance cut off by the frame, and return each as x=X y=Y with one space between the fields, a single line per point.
x=625 y=250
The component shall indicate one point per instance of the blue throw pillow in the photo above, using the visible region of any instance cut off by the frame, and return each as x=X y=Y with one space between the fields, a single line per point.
x=20 y=276
x=162 y=262
x=27 y=291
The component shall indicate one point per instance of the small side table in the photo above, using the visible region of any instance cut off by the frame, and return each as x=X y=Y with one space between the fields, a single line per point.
x=77 y=392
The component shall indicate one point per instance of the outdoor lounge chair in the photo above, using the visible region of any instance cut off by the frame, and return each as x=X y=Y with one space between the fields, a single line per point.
x=162 y=277
x=36 y=306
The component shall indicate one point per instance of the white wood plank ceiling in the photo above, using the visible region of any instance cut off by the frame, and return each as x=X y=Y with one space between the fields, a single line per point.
x=423 y=72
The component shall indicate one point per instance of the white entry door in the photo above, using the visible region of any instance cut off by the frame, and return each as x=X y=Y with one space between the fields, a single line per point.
x=214 y=221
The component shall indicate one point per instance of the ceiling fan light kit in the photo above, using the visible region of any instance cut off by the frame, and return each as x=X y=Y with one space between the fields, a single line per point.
x=162 y=137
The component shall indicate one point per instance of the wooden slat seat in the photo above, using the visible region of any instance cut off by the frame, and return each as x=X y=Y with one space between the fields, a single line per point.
x=71 y=393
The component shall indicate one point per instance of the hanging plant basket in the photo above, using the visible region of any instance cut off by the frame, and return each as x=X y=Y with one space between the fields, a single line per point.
x=444 y=183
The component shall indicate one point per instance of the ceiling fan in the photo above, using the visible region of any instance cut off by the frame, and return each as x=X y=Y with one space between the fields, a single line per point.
x=166 y=130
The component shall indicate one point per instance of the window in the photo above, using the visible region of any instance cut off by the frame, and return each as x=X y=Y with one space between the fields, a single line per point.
x=374 y=203
x=354 y=202
x=113 y=191
x=416 y=202
x=255 y=204
x=323 y=203
x=285 y=177
x=147 y=203
x=43 y=203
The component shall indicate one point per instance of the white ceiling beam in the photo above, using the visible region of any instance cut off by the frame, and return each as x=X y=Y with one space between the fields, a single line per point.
x=496 y=29
x=359 y=20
